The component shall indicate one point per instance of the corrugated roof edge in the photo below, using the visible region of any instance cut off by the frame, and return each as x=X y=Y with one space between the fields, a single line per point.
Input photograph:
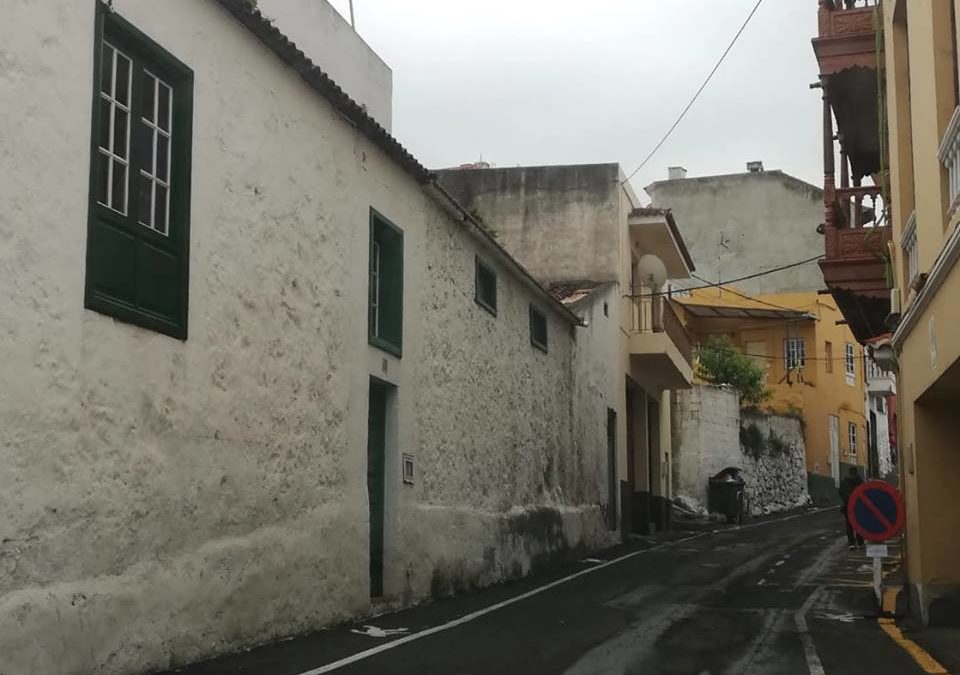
x=247 y=14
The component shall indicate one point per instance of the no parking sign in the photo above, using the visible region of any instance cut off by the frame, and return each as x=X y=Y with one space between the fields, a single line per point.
x=876 y=510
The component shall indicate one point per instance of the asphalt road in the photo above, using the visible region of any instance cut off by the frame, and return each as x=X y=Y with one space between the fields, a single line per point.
x=781 y=597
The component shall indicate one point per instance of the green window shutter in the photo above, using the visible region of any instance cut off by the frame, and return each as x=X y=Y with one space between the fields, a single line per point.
x=538 y=329
x=486 y=286
x=138 y=224
x=386 y=285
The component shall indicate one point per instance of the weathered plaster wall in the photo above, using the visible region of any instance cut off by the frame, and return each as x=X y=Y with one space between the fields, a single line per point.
x=164 y=501
x=560 y=222
x=706 y=439
x=329 y=41
x=599 y=388
x=766 y=220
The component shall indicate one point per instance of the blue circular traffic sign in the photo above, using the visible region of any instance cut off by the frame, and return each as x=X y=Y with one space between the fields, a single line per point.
x=876 y=510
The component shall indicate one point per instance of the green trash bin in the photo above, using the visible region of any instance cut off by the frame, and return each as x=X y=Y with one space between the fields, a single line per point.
x=727 y=495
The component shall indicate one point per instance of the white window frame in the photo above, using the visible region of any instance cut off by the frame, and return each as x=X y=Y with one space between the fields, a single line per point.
x=908 y=244
x=852 y=438
x=115 y=105
x=949 y=156
x=156 y=131
x=850 y=363
x=794 y=353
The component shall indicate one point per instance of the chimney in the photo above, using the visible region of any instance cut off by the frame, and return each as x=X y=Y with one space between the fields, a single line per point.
x=755 y=167
x=677 y=173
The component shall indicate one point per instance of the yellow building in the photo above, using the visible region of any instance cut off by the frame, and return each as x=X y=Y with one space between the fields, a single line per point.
x=924 y=167
x=814 y=369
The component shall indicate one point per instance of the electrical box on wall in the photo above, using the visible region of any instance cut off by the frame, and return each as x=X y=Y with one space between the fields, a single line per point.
x=408 y=468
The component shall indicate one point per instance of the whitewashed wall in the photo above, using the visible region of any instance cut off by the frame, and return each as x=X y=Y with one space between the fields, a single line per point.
x=165 y=501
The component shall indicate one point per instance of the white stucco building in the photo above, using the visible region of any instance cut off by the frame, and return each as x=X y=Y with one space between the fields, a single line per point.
x=581 y=231
x=261 y=374
x=881 y=410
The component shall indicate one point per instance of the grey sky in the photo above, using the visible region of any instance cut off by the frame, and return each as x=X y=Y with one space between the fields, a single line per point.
x=565 y=81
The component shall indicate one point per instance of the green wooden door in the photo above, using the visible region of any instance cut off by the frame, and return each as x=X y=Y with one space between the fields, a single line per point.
x=376 y=464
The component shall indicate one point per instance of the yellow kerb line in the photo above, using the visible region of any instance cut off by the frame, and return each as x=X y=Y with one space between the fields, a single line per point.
x=921 y=656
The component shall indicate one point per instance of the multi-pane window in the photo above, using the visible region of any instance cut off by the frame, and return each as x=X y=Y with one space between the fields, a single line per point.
x=153 y=179
x=852 y=438
x=794 y=353
x=113 y=146
x=138 y=229
x=386 y=285
x=538 y=329
x=486 y=286
x=849 y=363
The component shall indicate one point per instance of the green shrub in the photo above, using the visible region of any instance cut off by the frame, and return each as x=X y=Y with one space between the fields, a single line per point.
x=719 y=362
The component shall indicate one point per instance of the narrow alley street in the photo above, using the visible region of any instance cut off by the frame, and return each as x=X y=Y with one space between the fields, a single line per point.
x=774 y=597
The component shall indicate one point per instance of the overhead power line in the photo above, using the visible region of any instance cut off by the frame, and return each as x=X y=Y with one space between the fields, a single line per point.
x=748 y=297
x=703 y=86
x=732 y=281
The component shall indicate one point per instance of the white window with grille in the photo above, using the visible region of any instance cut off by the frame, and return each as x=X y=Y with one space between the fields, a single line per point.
x=113 y=146
x=794 y=353
x=852 y=438
x=950 y=158
x=153 y=181
x=850 y=363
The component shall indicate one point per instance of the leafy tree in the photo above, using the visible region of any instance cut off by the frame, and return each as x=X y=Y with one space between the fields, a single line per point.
x=719 y=362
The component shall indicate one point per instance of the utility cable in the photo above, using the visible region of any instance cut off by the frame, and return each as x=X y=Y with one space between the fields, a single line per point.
x=724 y=289
x=730 y=281
x=699 y=91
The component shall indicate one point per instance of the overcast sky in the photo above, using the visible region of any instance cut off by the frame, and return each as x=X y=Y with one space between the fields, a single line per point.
x=527 y=82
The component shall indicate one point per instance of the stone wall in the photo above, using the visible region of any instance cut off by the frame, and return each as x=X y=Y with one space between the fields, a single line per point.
x=707 y=422
x=776 y=475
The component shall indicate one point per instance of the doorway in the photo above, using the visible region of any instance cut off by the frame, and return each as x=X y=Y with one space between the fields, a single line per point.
x=611 y=468
x=835 y=448
x=376 y=480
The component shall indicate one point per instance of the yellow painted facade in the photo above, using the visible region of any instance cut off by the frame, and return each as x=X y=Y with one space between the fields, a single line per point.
x=922 y=101
x=823 y=388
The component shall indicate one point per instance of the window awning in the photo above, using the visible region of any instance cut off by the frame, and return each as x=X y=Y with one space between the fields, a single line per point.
x=728 y=312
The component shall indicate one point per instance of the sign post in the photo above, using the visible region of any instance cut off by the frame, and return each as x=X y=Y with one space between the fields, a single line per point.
x=876 y=512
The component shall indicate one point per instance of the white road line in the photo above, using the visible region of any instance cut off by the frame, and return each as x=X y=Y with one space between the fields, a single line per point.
x=467 y=618
x=809 y=648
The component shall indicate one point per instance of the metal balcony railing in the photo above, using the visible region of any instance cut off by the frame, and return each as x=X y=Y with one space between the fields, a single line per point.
x=950 y=158
x=655 y=314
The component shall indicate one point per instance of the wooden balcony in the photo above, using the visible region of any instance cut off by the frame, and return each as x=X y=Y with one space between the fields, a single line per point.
x=855 y=268
x=848 y=51
x=847 y=35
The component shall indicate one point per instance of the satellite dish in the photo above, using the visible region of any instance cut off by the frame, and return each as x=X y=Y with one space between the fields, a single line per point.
x=651 y=271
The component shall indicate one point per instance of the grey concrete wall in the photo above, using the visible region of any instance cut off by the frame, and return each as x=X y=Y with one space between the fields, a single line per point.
x=765 y=220
x=706 y=426
x=164 y=501
x=561 y=222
